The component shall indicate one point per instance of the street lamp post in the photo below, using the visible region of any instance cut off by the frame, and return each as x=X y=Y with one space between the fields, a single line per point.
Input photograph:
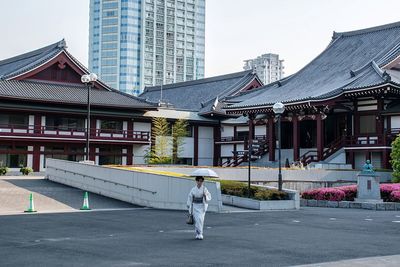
x=88 y=80
x=279 y=108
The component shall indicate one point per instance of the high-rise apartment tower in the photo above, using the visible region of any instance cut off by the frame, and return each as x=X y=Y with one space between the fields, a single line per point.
x=138 y=43
x=268 y=67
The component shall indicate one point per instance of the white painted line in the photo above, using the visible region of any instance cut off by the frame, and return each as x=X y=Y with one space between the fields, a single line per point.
x=161 y=231
x=208 y=227
x=367 y=219
x=295 y=221
x=397 y=216
x=181 y=231
x=332 y=219
x=396 y=221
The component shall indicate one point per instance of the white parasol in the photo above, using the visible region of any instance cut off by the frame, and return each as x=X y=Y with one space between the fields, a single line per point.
x=204 y=173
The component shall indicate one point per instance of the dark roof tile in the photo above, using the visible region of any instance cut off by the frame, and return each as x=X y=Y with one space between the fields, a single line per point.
x=71 y=94
x=352 y=60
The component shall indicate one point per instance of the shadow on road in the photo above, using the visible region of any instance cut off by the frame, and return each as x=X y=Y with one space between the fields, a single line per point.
x=69 y=196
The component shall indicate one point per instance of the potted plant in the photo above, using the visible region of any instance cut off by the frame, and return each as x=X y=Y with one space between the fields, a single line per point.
x=3 y=170
x=26 y=170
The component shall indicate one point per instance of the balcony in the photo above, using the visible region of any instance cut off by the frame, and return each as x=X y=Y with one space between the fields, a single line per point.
x=237 y=139
x=63 y=134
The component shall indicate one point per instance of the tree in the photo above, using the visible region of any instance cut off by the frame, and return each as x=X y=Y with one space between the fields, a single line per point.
x=159 y=152
x=395 y=155
x=179 y=131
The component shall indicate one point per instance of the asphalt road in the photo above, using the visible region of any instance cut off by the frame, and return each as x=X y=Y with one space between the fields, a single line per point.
x=48 y=196
x=146 y=237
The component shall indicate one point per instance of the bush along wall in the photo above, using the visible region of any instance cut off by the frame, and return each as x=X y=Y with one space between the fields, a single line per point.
x=240 y=189
x=389 y=193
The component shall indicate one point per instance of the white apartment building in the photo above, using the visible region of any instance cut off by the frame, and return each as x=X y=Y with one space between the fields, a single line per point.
x=268 y=67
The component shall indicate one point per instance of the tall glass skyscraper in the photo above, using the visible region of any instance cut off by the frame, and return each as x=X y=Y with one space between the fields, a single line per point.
x=138 y=43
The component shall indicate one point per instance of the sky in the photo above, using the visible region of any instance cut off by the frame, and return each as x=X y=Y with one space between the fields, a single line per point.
x=297 y=30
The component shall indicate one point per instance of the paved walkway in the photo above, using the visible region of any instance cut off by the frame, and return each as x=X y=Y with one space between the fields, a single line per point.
x=48 y=196
x=149 y=237
x=385 y=261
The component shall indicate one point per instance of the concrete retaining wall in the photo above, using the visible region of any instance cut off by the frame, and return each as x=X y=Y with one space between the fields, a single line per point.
x=144 y=189
x=292 y=203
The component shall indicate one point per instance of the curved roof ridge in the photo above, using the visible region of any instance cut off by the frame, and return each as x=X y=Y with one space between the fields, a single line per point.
x=198 y=81
x=367 y=30
x=245 y=79
x=60 y=45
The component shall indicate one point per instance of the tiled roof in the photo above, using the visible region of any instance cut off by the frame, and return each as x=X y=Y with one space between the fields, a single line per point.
x=20 y=64
x=199 y=95
x=70 y=94
x=352 y=60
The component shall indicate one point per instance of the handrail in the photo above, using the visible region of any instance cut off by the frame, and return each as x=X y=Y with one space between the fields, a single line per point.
x=39 y=130
x=106 y=181
x=237 y=160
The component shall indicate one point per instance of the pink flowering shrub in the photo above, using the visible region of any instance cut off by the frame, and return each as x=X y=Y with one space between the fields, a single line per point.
x=350 y=192
x=387 y=189
x=389 y=192
x=331 y=194
x=310 y=194
x=395 y=196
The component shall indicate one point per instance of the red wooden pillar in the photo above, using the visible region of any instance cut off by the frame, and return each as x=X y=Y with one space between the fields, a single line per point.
x=296 y=138
x=251 y=129
x=386 y=159
x=380 y=123
x=320 y=137
x=217 y=148
x=234 y=145
x=356 y=126
x=130 y=129
x=93 y=127
x=351 y=159
x=129 y=155
x=271 y=139
x=37 y=127
x=196 y=145
x=92 y=152
x=367 y=155
x=36 y=158
x=389 y=123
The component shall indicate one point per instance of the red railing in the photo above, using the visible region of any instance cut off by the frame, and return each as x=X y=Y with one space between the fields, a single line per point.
x=59 y=132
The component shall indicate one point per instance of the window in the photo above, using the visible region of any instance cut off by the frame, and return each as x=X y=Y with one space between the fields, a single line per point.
x=243 y=135
x=111 y=125
x=13 y=159
x=367 y=124
x=60 y=123
x=13 y=119
x=59 y=152
x=110 y=155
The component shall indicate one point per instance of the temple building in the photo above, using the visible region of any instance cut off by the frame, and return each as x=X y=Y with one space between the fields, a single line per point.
x=341 y=108
x=43 y=111
x=201 y=102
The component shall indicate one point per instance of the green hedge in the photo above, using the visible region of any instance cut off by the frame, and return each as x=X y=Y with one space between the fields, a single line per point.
x=240 y=189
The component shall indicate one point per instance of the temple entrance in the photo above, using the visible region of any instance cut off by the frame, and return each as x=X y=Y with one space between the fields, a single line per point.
x=335 y=127
x=308 y=134
x=287 y=135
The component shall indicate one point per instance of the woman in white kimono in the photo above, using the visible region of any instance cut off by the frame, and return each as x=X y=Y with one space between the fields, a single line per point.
x=199 y=198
